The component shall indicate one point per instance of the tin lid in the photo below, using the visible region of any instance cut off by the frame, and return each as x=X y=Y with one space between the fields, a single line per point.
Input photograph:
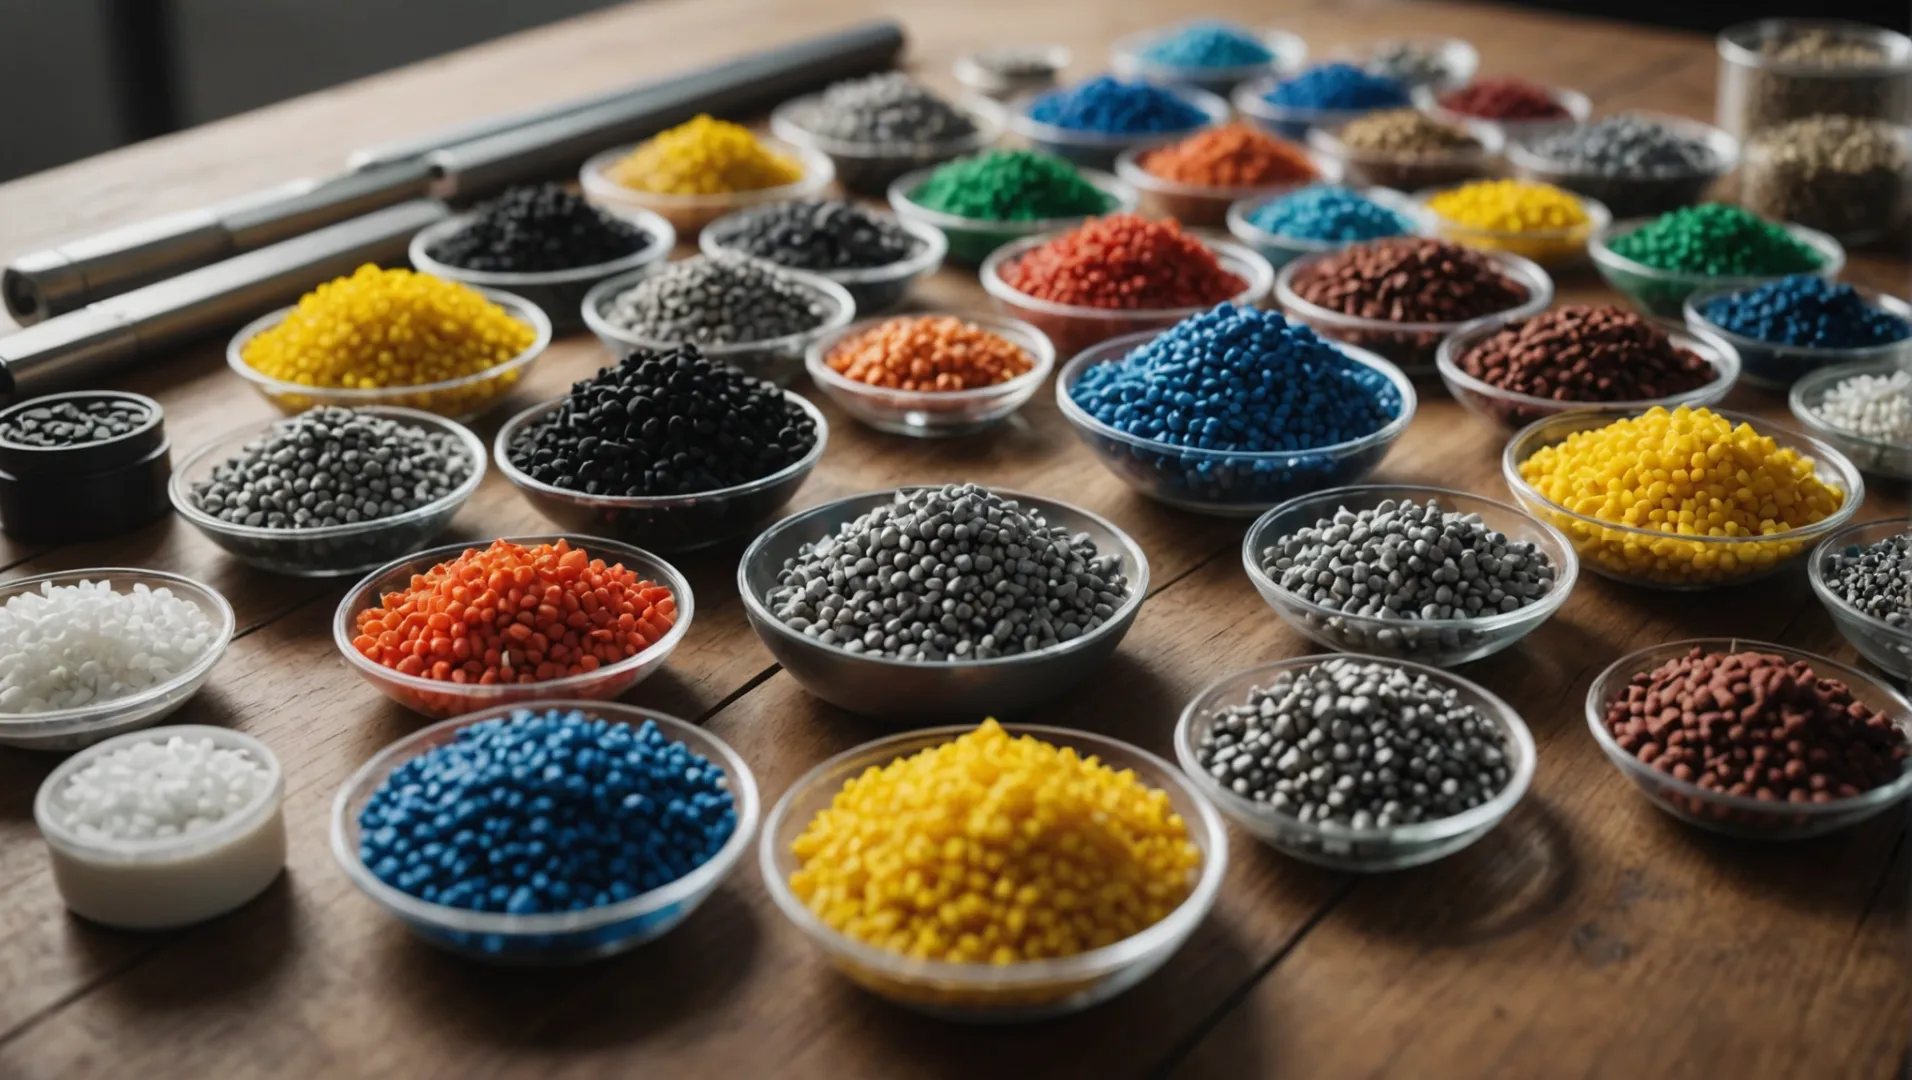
x=28 y=459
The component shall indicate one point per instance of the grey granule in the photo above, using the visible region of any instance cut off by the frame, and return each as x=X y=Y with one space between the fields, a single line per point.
x=724 y=300
x=1876 y=579
x=1625 y=145
x=886 y=108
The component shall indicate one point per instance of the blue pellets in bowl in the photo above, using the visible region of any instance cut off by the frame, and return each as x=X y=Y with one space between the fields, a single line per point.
x=1093 y=122
x=1234 y=410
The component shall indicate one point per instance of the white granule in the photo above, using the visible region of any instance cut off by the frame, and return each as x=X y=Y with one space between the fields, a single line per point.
x=72 y=645
x=1871 y=406
x=157 y=789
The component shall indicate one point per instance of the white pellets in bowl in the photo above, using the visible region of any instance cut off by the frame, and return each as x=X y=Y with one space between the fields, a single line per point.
x=153 y=789
x=66 y=646
x=1877 y=407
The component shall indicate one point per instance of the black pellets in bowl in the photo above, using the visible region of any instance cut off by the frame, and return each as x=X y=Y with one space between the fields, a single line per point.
x=878 y=127
x=875 y=256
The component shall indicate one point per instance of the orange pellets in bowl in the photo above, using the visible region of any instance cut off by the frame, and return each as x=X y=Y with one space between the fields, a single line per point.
x=928 y=352
x=931 y=375
x=1194 y=180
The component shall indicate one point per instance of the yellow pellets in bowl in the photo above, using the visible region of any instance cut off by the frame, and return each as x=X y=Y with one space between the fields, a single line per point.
x=1539 y=221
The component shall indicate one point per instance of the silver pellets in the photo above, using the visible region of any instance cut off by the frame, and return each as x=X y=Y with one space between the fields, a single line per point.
x=948 y=574
x=726 y=300
x=1357 y=743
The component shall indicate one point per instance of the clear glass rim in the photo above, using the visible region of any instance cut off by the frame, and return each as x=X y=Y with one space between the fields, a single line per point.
x=1732 y=46
x=1815 y=382
x=1715 y=350
x=1020 y=122
x=1816 y=574
x=1042 y=355
x=1246 y=231
x=931 y=247
x=1238 y=259
x=1720 y=143
x=818 y=171
x=1128 y=168
x=1288 y=51
x=1523 y=272
x=1598 y=217
x=1694 y=310
x=1599 y=245
x=663 y=237
x=843 y=309
x=1123 y=199
x=786 y=123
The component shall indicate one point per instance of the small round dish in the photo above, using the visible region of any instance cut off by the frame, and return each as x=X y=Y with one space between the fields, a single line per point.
x=555 y=292
x=335 y=550
x=1074 y=327
x=1411 y=172
x=1129 y=58
x=1879 y=457
x=775 y=360
x=1223 y=482
x=1554 y=249
x=1457 y=57
x=1603 y=546
x=1280 y=250
x=1203 y=205
x=1577 y=105
x=84 y=725
x=166 y=882
x=1512 y=410
x=866 y=168
x=1436 y=642
x=1888 y=646
x=1665 y=292
x=671 y=523
x=1737 y=815
x=565 y=937
x=1250 y=100
x=1410 y=345
x=873 y=289
x=1344 y=847
x=928 y=414
x=689 y=213
x=914 y=693
x=1098 y=150
x=441 y=699
x=464 y=398
x=1775 y=366
x=1641 y=194
x=1012 y=70
x=1030 y=990
x=972 y=239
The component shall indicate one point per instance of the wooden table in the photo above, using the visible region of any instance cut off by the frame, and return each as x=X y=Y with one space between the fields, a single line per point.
x=1590 y=935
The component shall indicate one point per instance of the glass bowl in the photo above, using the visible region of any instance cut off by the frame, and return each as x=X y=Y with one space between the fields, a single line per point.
x=1410 y=345
x=1876 y=456
x=1280 y=250
x=1643 y=194
x=1888 y=646
x=555 y=292
x=1436 y=642
x=1737 y=815
x=872 y=289
x=1098 y=150
x=464 y=398
x=774 y=360
x=972 y=239
x=1223 y=482
x=441 y=699
x=689 y=213
x=1411 y=172
x=1459 y=60
x=1577 y=104
x=1665 y=292
x=869 y=168
x=1604 y=546
x=84 y=725
x=672 y=523
x=1203 y=205
x=564 y=937
x=334 y=550
x=1511 y=410
x=1128 y=58
x=1343 y=847
x=1289 y=121
x=928 y=413
x=1074 y=327
x=1028 y=990
x=1011 y=70
x=1777 y=366
x=1555 y=249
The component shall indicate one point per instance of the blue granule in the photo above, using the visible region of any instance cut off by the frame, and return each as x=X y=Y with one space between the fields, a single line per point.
x=1208 y=45
x=1339 y=86
x=1807 y=311
x=1113 y=107
x=1330 y=214
x=546 y=811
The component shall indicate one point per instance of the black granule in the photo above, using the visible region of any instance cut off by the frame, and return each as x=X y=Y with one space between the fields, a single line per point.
x=664 y=423
x=66 y=423
x=833 y=235
x=536 y=230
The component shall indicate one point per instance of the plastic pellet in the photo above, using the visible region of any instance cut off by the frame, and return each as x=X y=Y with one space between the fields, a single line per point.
x=832 y=235
x=1504 y=99
x=1716 y=239
x=64 y=646
x=1330 y=214
x=888 y=107
x=1625 y=145
x=154 y=790
x=1339 y=86
x=1844 y=175
x=722 y=300
x=1011 y=185
x=1517 y=206
x=1876 y=579
x=1877 y=407
x=539 y=229
x=1409 y=279
x=1231 y=156
x=1585 y=353
x=1208 y=44
x=928 y=353
x=1809 y=311
x=1124 y=262
x=704 y=156
x=1112 y=106
x=1410 y=63
x=1823 y=70
x=1406 y=133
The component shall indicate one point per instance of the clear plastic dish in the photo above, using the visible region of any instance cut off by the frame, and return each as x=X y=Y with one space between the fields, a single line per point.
x=1011 y=70
x=1029 y=990
x=972 y=239
x=1344 y=847
x=555 y=292
x=1459 y=60
x=1577 y=105
x=1603 y=546
x=689 y=213
x=1411 y=172
x=1074 y=328
x=776 y=360
x=1880 y=457
x=565 y=937
x=1436 y=642
x=1775 y=366
x=1280 y=250
x=1128 y=57
x=866 y=168
x=465 y=398
x=672 y=523
x=1289 y=121
x=334 y=550
x=1888 y=646
x=1511 y=410
x=441 y=699
x=1098 y=150
x=872 y=290
x=1227 y=483
x=1664 y=292
x=1202 y=205
x=928 y=413
x=1737 y=815
x=84 y=725
x=1411 y=345
x=1758 y=91
x=1642 y=194
x=1555 y=249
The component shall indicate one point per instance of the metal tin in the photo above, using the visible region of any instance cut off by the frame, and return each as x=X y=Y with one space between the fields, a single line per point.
x=90 y=491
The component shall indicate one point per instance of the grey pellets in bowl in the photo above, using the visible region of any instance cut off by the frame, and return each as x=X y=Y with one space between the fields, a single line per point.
x=878 y=127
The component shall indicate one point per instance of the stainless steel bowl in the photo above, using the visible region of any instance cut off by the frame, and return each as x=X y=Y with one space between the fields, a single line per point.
x=920 y=693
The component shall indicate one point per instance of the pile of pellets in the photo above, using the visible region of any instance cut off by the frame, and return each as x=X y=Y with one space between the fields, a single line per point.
x=1411 y=63
x=945 y=574
x=332 y=466
x=1845 y=175
x=1407 y=133
x=1823 y=70
x=817 y=236
x=1626 y=146
x=722 y=300
x=1876 y=407
x=536 y=230
x=1357 y=744
x=1876 y=579
x=73 y=423
x=889 y=107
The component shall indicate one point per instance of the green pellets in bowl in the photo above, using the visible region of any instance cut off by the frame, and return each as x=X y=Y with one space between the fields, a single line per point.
x=1659 y=262
x=983 y=202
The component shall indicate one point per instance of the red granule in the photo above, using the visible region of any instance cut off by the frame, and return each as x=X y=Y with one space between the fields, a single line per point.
x=1504 y=99
x=1232 y=156
x=1124 y=262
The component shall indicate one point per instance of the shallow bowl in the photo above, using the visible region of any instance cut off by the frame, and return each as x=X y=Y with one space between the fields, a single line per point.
x=1206 y=205
x=869 y=168
x=972 y=239
x=934 y=414
x=1637 y=194
x=1775 y=366
x=1880 y=457
x=1888 y=646
x=1665 y=292
x=872 y=289
x=1128 y=57
x=690 y=213
x=1098 y=150
x=1280 y=249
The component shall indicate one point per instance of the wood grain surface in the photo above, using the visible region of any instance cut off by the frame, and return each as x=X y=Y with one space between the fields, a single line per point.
x=1589 y=936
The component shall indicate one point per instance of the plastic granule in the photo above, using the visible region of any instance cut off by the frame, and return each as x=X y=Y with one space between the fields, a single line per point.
x=1011 y=185
x=1124 y=262
x=1208 y=44
x=1338 y=86
x=1509 y=206
x=1112 y=106
x=152 y=790
x=1808 y=311
x=704 y=156
x=1714 y=238
x=1231 y=156
x=928 y=353
x=1330 y=214
x=65 y=646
